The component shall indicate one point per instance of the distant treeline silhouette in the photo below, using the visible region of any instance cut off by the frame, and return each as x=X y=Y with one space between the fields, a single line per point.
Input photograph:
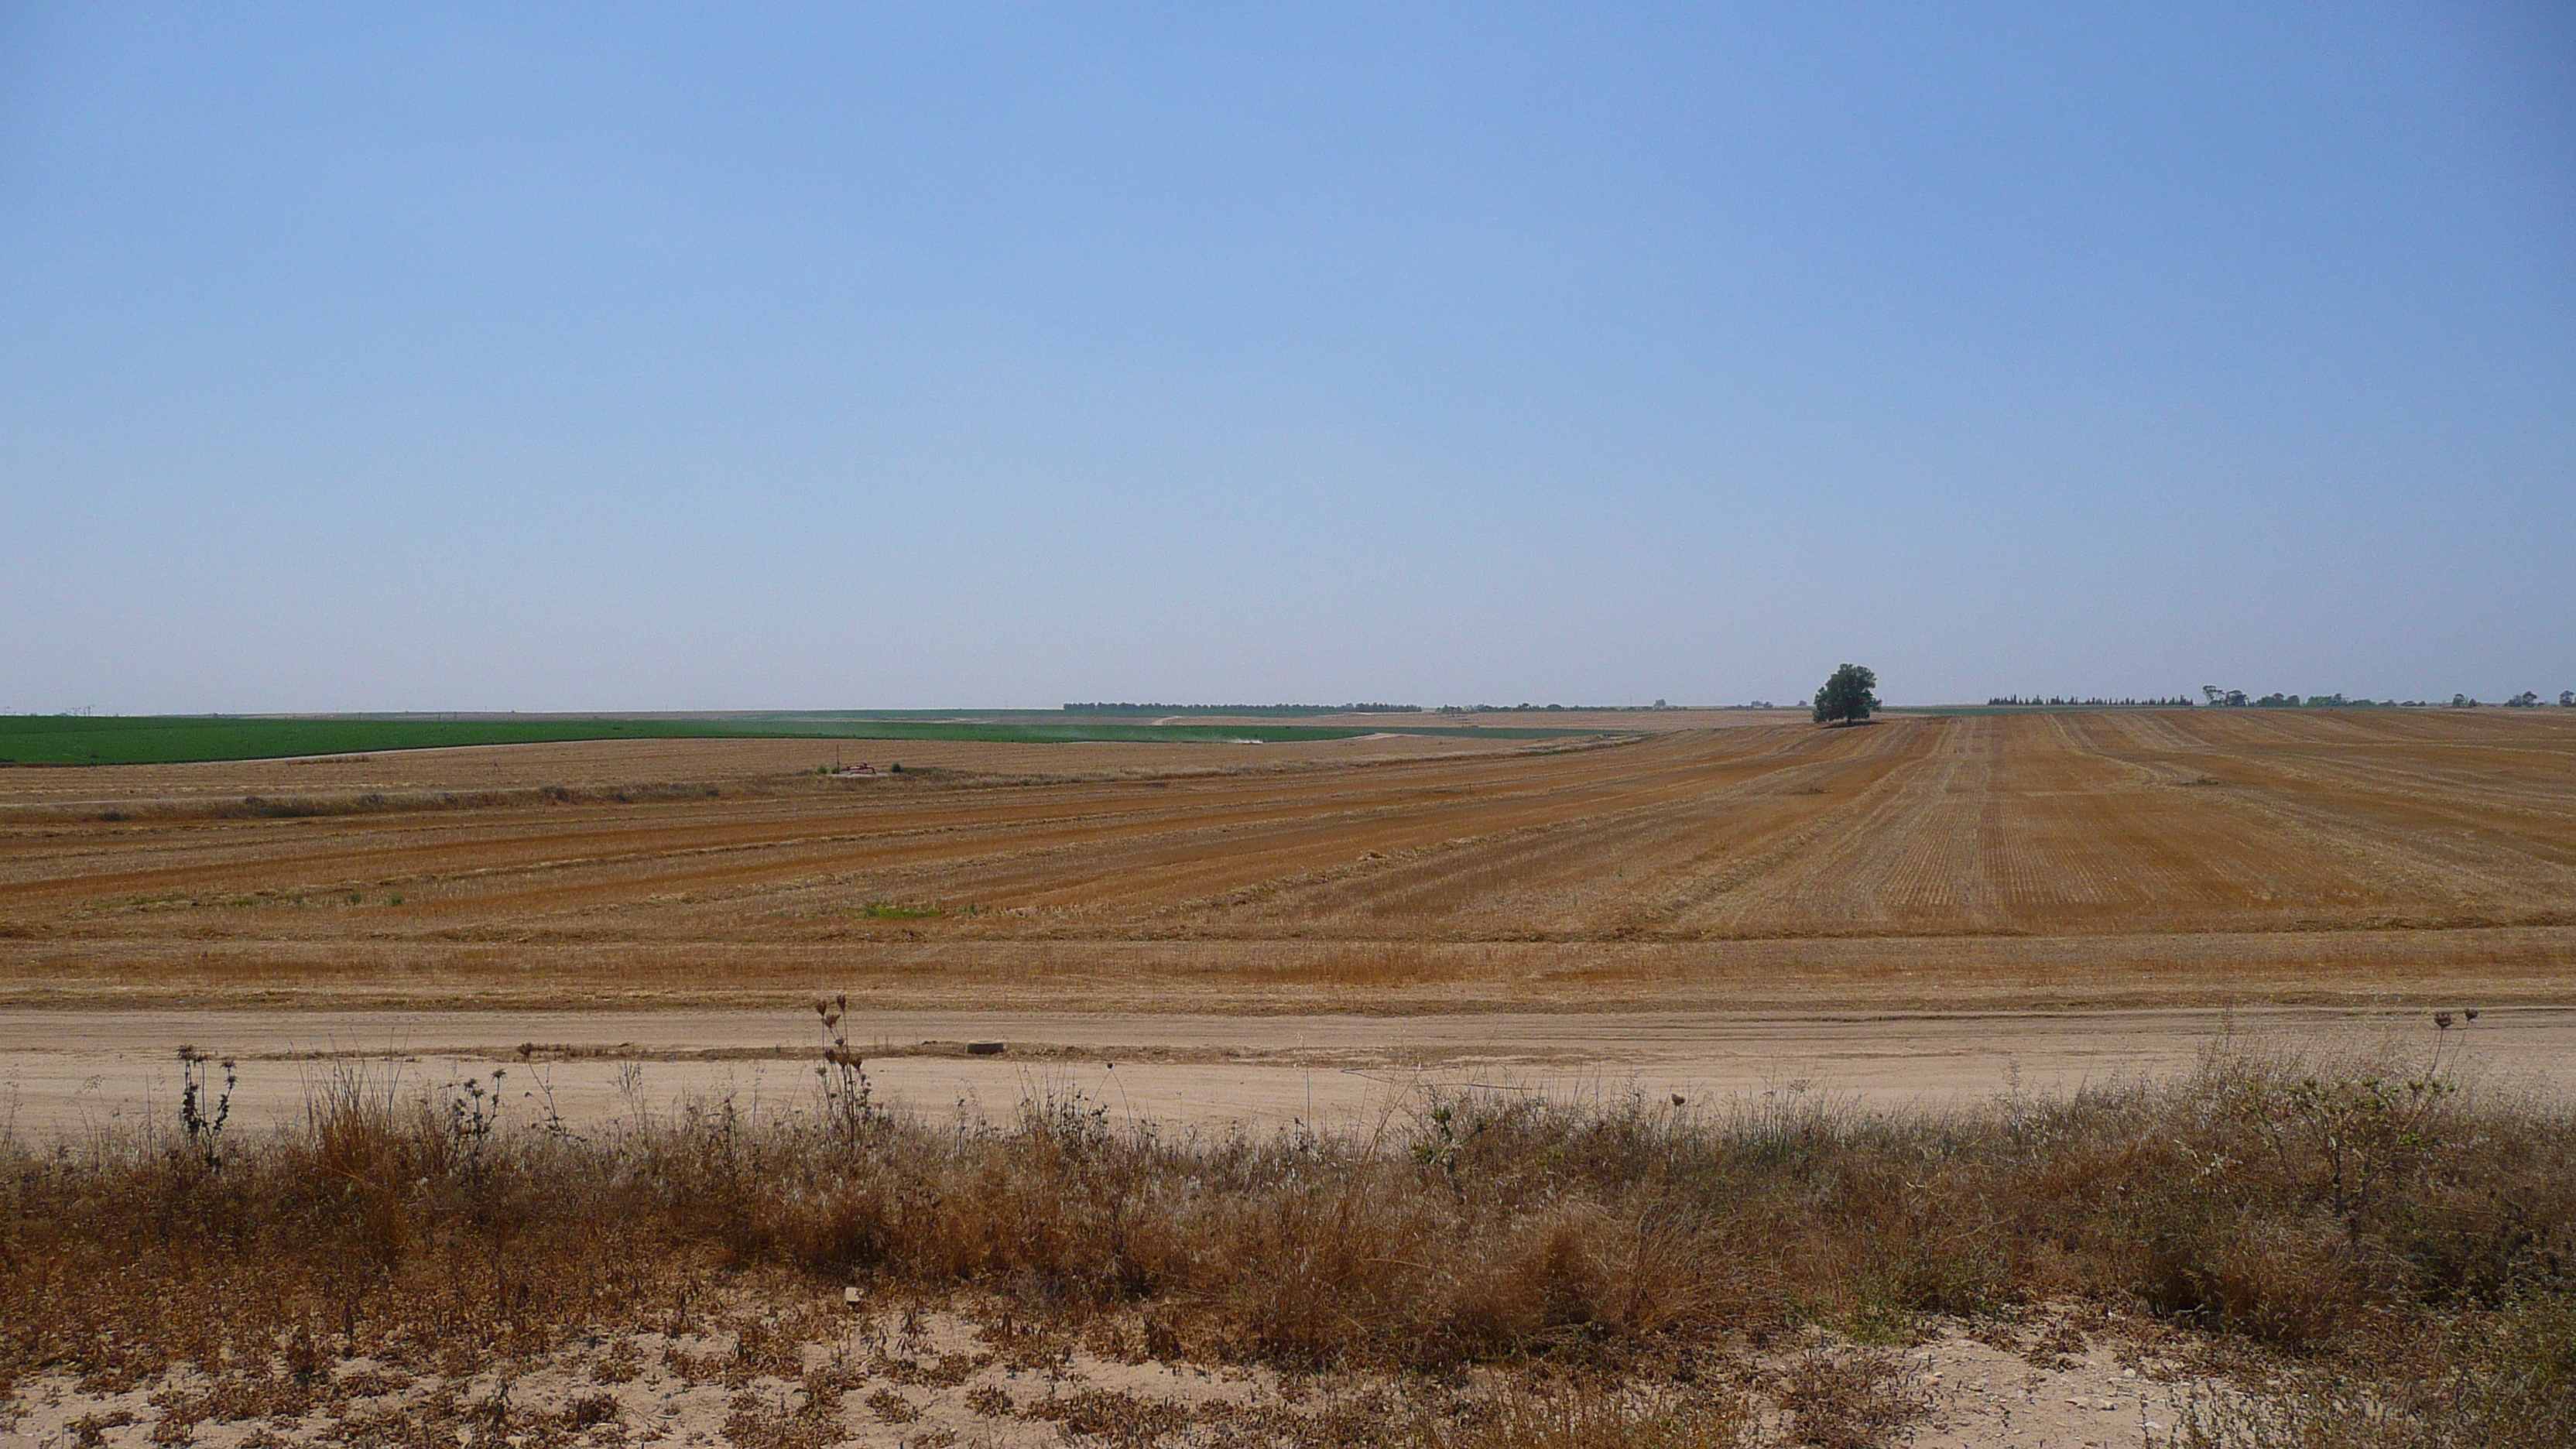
x=2177 y=702
x=1107 y=708
x=1561 y=708
x=2239 y=699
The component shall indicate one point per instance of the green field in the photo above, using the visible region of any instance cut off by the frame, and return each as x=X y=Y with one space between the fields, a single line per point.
x=173 y=739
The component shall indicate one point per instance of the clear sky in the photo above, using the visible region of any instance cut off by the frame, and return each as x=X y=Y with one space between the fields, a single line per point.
x=622 y=357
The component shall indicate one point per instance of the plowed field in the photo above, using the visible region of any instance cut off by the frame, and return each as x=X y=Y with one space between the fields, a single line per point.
x=1948 y=862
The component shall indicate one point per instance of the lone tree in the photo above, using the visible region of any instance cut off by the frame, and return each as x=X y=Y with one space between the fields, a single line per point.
x=1847 y=696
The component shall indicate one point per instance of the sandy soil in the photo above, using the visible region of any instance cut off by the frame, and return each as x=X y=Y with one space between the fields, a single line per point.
x=2048 y=1383
x=938 y=1378
x=69 y=1070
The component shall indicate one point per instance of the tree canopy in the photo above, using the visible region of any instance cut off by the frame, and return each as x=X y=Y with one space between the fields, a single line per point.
x=1847 y=695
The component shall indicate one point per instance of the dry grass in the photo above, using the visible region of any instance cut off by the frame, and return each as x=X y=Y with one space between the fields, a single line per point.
x=1849 y=1399
x=2049 y=859
x=2397 y=1243
x=1592 y=1418
x=2504 y=1380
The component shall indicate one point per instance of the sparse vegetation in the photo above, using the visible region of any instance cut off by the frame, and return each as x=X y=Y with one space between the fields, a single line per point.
x=2069 y=701
x=901 y=911
x=1631 y=1240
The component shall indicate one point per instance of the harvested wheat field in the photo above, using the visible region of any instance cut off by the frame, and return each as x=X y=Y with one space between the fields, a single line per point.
x=1997 y=861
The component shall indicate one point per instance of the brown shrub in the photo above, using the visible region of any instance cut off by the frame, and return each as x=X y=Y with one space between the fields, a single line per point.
x=1857 y=1399
x=2487 y=1380
x=2311 y=1206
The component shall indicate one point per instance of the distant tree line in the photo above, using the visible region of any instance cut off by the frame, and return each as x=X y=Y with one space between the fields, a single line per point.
x=2237 y=699
x=2095 y=701
x=1122 y=708
x=1558 y=708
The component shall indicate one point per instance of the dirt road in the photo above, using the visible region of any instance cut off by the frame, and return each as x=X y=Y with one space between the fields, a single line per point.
x=68 y=1069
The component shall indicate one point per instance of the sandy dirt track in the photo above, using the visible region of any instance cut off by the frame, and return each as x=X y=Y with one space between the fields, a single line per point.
x=2045 y=860
x=66 y=1069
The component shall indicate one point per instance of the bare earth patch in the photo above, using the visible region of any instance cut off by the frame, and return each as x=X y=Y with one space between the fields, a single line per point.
x=898 y=1378
x=63 y=1068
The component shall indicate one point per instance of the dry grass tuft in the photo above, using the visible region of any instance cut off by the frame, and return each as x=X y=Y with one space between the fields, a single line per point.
x=1855 y=1399
x=2504 y=1379
x=1596 y=1418
x=2407 y=1240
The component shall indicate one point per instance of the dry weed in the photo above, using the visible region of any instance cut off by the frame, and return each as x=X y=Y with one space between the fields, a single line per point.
x=2413 y=1239
x=1855 y=1398
x=1596 y=1418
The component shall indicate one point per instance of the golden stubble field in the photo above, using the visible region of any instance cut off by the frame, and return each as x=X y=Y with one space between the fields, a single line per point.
x=1943 y=863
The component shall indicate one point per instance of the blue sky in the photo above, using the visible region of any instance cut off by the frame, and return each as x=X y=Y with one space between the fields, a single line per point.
x=558 y=358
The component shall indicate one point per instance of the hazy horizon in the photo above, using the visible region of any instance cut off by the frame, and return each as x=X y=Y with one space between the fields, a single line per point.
x=878 y=358
x=2121 y=700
